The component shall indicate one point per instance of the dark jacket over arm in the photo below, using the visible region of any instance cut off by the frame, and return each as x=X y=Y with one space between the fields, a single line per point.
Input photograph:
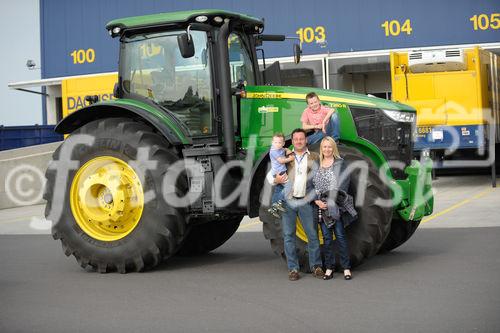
x=341 y=202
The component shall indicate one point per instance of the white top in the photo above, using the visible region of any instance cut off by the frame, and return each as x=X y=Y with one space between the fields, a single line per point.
x=299 y=185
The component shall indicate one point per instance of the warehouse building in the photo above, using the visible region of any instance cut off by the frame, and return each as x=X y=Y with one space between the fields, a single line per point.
x=345 y=44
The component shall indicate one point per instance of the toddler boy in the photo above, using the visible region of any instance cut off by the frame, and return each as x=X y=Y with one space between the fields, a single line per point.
x=279 y=157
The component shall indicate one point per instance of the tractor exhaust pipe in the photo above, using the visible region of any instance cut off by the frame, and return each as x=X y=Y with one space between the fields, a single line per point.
x=225 y=91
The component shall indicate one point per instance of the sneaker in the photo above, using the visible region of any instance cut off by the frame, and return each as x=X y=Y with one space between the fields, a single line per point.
x=318 y=272
x=293 y=275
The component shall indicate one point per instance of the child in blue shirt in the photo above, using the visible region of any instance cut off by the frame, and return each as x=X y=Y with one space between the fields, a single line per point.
x=279 y=157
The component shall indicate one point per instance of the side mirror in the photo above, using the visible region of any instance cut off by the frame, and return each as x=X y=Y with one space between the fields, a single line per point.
x=186 y=45
x=297 y=51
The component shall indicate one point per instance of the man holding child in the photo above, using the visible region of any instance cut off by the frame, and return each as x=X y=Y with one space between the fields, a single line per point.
x=299 y=194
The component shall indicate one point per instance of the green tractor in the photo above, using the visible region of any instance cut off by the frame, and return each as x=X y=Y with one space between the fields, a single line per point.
x=179 y=157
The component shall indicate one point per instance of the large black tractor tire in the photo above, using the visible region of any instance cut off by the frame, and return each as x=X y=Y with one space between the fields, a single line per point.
x=159 y=229
x=400 y=232
x=365 y=235
x=203 y=238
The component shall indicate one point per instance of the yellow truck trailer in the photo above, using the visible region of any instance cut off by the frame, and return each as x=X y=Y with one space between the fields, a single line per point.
x=456 y=95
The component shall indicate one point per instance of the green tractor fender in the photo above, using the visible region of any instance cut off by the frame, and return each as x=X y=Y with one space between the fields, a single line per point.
x=164 y=123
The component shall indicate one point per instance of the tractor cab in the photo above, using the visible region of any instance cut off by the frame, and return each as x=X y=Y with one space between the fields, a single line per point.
x=192 y=65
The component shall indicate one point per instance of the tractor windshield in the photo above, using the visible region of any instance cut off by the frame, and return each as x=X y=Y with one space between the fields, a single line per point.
x=154 y=68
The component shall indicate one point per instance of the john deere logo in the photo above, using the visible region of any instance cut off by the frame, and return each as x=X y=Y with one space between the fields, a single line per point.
x=267 y=109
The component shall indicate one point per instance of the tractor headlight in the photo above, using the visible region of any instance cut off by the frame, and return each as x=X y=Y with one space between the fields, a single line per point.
x=201 y=18
x=400 y=116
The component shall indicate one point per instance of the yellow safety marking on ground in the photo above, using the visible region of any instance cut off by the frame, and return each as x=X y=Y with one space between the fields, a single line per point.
x=459 y=204
x=274 y=95
x=249 y=225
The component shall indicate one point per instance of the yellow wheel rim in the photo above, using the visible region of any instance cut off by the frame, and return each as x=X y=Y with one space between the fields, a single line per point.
x=301 y=234
x=106 y=198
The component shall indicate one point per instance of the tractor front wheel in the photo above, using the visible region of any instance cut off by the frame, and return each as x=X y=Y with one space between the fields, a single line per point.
x=401 y=231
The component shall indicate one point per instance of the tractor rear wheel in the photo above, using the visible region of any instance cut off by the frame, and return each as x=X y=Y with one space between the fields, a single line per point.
x=109 y=211
x=365 y=235
x=208 y=236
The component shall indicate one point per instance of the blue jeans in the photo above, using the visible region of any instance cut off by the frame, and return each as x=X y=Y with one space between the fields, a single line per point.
x=305 y=213
x=332 y=129
x=340 y=243
x=278 y=193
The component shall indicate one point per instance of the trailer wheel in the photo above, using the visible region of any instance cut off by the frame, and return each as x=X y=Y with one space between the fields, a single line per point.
x=206 y=237
x=400 y=232
x=365 y=236
x=110 y=212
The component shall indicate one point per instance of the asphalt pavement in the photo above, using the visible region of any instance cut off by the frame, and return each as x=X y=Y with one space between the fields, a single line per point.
x=441 y=280
x=444 y=279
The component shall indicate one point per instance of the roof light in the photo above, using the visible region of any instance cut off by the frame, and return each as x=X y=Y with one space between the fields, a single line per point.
x=116 y=30
x=201 y=18
x=218 y=19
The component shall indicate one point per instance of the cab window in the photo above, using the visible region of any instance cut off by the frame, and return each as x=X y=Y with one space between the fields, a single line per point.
x=240 y=61
x=155 y=69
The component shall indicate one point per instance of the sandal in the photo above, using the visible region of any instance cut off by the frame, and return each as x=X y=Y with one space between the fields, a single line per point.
x=328 y=276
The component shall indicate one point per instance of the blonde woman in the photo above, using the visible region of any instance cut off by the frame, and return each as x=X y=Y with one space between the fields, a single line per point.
x=326 y=184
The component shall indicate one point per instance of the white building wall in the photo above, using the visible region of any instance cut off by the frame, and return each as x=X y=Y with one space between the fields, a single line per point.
x=20 y=24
